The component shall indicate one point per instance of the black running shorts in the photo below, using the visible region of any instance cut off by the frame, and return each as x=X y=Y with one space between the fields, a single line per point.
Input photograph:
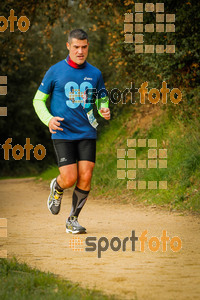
x=69 y=152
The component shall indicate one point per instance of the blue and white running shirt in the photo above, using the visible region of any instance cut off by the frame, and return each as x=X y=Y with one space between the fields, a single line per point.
x=67 y=87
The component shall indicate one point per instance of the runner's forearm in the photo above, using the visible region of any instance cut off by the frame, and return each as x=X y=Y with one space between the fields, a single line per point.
x=39 y=103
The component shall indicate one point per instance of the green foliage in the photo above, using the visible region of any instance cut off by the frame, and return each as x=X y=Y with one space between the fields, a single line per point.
x=18 y=281
x=49 y=173
x=180 y=69
x=25 y=57
x=182 y=141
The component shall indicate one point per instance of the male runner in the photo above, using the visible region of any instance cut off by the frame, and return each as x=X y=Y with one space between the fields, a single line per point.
x=72 y=84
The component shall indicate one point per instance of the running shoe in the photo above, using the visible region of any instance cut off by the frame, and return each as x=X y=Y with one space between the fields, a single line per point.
x=72 y=226
x=54 y=200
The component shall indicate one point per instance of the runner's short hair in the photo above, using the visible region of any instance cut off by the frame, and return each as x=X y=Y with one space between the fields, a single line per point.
x=78 y=34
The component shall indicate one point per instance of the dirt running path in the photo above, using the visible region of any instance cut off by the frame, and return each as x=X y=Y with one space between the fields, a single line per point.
x=39 y=239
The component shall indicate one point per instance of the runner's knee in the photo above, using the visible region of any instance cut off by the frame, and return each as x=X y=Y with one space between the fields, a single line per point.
x=68 y=180
x=86 y=176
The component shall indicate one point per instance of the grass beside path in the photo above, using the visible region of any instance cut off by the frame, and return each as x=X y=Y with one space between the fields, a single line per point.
x=18 y=282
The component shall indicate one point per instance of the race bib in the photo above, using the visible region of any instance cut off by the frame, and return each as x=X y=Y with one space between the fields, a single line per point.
x=92 y=119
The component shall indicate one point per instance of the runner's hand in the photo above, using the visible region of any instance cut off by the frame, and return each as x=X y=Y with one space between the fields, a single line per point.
x=105 y=113
x=54 y=124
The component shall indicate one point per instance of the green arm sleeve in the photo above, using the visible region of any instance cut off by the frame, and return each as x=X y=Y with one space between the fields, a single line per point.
x=39 y=103
x=102 y=103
